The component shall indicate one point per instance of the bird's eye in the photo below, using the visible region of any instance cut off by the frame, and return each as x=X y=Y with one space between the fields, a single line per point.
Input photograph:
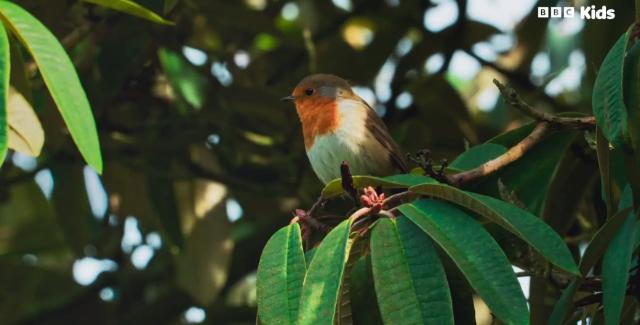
x=308 y=91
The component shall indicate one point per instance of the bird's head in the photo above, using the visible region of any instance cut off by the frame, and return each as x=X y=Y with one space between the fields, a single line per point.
x=319 y=92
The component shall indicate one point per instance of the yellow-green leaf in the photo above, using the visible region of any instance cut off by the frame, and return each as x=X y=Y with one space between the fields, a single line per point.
x=280 y=276
x=60 y=77
x=321 y=288
x=131 y=8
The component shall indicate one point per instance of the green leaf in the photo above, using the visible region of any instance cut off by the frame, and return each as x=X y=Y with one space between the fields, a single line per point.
x=608 y=104
x=600 y=241
x=280 y=275
x=131 y=8
x=364 y=304
x=518 y=221
x=564 y=304
x=334 y=188
x=60 y=77
x=5 y=72
x=632 y=96
x=477 y=156
x=321 y=288
x=530 y=177
x=604 y=166
x=410 y=282
x=475 y=253
x=617 y=262
x=187 y=82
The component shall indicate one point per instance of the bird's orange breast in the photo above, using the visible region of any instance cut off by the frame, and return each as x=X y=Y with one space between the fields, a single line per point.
x=318 y=116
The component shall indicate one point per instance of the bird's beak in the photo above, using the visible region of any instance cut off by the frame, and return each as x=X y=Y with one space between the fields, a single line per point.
x=288 y=98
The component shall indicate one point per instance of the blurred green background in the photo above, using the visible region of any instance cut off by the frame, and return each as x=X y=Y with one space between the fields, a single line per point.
x=203 y=162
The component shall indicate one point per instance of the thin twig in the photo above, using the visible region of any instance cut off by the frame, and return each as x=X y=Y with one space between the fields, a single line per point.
x=513 y=99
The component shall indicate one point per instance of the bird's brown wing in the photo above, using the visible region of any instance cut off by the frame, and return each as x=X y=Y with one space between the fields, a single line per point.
x=381 y=133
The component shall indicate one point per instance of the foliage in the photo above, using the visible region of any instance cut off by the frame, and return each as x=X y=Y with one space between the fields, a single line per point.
x=405 y=266
x=194 y=165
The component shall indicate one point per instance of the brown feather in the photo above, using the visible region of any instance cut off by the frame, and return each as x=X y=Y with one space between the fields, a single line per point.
x=381 y=133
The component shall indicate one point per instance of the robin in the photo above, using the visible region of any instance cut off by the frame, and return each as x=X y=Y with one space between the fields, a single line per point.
x=339 y=126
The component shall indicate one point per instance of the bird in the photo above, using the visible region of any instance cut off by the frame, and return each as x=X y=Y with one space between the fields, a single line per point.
x=339 y=126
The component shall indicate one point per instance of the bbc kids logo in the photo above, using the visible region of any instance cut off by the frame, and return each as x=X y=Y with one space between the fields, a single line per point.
x=585 y=12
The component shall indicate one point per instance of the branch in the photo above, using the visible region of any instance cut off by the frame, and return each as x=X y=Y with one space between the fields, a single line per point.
x=513 y=154
x=513 y=99
x=546 y=124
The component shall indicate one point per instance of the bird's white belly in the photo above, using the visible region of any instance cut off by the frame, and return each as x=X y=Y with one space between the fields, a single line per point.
x=330 y=150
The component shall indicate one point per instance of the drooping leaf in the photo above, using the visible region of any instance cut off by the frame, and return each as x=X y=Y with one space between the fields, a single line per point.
x=131 y=8
x=60 y=77
x=5 y=72
x=477 y=156
x=475 y=253
x=334 y=188
x=617 y=262
x=280 y=275
x=25 y=131
x=516 y=220
x=608 y=103
x=321 y=287
x=409 y=279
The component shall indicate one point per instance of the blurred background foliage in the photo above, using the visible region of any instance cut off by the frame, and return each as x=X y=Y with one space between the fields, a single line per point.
x=203 y=162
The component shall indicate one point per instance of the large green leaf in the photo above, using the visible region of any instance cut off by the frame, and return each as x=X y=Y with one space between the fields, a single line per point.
x=477 y=156
x=608 y=104
x=334 y=187
x=617 y=262
x=321 y=288
x=131 y=8
x=475 y=253
x=410 y=282
x=5 y=72
x=631 y=92
x=60 y=77
x=518 y=221
x=280 y=275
